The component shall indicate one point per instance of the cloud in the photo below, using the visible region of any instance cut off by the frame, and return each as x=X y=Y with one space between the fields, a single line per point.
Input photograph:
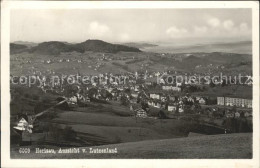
x=124 y=37
x=176 y=32
x=244 y=27
x=214 y=22
x=228 y=25
x=227 y=28
x=98 y=29
x=200 y=29
x=214 y=28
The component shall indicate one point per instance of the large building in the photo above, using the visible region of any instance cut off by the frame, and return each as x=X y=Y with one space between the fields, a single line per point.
x=173 y=88
x=230 y=101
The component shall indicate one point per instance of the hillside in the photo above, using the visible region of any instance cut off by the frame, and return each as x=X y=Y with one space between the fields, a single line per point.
x=26 y=43
x=101 y=46
x=57 y=47
x=191 y=61
x=52 y=48
x=225 y=146
x=220 y=57
x=17 y=48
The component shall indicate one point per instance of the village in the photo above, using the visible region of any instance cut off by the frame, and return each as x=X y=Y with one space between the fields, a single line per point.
x=186 y=88
x=142 y=92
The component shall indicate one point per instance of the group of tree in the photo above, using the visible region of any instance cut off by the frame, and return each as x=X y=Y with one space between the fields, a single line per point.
x=238 y=125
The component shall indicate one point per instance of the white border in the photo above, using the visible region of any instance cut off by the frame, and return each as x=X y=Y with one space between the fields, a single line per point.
x=5 y=87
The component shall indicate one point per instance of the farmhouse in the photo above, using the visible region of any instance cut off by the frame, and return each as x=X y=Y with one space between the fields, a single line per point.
x=140 y=113
x=136 y=88
x=172 y=98
x=154 y=96
x=237 y=114
x=23 y=125
x=134 y=94
x=201 y=100
x=247 y=114
x=172 y=107
x=181 y=109
x=190 y=99
x=154 y=103
x=73 y=100
x=163 y=98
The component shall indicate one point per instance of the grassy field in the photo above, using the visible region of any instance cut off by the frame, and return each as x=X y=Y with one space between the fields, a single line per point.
x=115 y=128
x=225 y=146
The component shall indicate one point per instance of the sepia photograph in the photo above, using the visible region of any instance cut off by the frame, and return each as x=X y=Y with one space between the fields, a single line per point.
x=131 y=83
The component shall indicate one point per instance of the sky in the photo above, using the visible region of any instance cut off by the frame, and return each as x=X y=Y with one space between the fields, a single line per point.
x=131 y=25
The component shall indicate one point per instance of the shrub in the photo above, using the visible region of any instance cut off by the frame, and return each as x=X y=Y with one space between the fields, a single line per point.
x=35 y=97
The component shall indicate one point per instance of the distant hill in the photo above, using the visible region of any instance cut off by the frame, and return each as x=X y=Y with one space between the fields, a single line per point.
x=215 y=58
x=17 y=48
x=26 y=43
x=101 y=46
x=139 y=45
x=57 y=47
x=52 y=48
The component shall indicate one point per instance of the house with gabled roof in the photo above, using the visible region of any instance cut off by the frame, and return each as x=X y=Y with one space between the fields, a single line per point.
x=155 y=96
x=172 y=107
x=140 y=113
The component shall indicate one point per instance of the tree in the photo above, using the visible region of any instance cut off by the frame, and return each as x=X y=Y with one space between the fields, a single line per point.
x=162 y=115
x=224 y=82
x=68 y=133
x=212 y=84
x=145 y=106
x=124 y=100
x=92 y=92
x=105 y=94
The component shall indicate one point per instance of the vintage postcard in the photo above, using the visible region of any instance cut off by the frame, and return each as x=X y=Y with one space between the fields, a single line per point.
x=172 y=84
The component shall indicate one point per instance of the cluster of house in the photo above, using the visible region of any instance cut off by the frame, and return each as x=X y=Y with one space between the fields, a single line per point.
x=173 y=103
x=237 y=114
x=231 y=101
x=140 y=113
x=78 y=97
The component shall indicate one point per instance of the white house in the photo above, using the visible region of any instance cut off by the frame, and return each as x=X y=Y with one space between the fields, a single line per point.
x=237 y=114
x=190 y=99
x=23 y=125
x=181 y=109
x=201 y=100
x=171 y=108
x=155 y=96
x=135 y=95
x=73 y=100
x=163 y=98
x=140 y=113
x=157 y=104
x=136 y=88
